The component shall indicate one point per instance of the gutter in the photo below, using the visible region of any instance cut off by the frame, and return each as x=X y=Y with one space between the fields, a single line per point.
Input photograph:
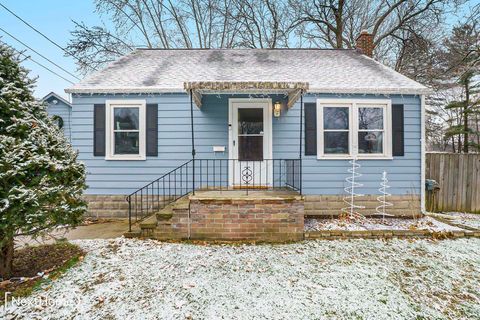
x=139 y=90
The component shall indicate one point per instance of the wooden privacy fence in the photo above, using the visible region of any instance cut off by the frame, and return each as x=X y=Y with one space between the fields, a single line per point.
x=458 y=176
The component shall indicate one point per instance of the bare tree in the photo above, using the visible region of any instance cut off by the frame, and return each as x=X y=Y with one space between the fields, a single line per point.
x=337 y=23
x=474 y=20
x=400 y=27
x=416 y=58
x=151 y=24
x=180 y=24
x=262 y=24
x=96 y=46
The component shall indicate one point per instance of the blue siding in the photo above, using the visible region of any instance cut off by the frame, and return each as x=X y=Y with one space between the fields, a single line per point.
x=328 y=176
x=211 y=128
x=64 y=111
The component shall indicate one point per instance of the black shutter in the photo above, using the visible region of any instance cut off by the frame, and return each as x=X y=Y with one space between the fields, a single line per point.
x=310 y=129
x=398 y=137
x=99 y=130
x=152 y=130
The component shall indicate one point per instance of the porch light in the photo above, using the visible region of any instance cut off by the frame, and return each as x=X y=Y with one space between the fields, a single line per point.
x=277 y=108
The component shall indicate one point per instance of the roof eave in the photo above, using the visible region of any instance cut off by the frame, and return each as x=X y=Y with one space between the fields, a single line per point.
x=386 y=91
x=123 y=90
x=404 y=91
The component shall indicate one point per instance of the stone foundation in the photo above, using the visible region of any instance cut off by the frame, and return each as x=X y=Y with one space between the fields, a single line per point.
x=115 y=206
x=107 y=206
x=327 y=206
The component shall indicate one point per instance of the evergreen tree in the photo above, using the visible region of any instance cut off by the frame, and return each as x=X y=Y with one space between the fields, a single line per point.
x=41 y=182
x=468 y=109
x=459 y=63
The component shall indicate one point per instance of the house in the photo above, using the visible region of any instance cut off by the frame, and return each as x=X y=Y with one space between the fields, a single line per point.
x=61 y=110
x=159 y=124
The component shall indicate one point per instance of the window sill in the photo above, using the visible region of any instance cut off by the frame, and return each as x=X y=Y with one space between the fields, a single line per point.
x=120 y=158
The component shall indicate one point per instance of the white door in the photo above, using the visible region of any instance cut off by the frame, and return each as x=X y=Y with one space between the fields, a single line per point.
x=250 y=164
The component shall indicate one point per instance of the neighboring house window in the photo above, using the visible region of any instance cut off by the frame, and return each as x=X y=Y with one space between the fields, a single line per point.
x=125 y=127
x=354 y=128
x=58 y=121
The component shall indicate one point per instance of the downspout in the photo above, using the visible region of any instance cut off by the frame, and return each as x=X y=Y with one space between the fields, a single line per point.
x=422 y=157
x=301 y=137
x=193 y=140
x=193 y=160
x=70 y=112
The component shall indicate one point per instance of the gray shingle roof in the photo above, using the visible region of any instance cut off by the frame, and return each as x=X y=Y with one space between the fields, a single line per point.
x=329 y=71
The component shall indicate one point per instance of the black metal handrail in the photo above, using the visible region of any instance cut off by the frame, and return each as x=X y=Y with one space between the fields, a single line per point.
x=159 y=193
x=235 y=174
x=213 y=174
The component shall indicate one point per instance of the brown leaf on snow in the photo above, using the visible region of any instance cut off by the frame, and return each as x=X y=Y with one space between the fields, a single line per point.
x=189 y=285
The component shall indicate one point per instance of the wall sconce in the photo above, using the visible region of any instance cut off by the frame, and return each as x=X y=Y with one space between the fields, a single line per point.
x=277 y=109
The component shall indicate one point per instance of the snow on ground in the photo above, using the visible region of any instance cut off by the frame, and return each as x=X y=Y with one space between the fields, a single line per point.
x=471 y=220
x=357 y=279
x=424 y=223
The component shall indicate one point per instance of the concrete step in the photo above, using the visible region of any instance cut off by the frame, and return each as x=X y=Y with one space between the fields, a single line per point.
x=170 y=219
x=181 y=204
x=149 y=223
x=164 y=215
x=132 y=234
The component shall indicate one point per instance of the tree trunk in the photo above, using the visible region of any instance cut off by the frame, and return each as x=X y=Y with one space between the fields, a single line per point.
x=6 y=258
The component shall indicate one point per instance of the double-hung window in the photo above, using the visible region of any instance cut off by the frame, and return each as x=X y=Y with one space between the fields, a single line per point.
x=125 y=130
x=354 y=128
x=336 y=129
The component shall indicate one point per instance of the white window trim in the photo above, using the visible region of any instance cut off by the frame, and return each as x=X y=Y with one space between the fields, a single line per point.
x=109 y=133
x=353 y=105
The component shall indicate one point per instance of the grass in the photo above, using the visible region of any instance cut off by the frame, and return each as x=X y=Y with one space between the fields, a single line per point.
x=54 y=260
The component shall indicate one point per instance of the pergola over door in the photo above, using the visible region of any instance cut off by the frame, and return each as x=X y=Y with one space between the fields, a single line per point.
x=292 y=89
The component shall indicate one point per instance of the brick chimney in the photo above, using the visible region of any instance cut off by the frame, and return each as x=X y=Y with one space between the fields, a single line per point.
x=365 y=43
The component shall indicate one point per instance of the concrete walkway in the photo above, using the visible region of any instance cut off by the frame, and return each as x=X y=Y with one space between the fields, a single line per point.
x=101 y=230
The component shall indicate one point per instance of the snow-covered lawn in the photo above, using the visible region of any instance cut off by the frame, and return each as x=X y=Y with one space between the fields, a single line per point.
x=358 y=279
x=471 y=220
x=424 y=223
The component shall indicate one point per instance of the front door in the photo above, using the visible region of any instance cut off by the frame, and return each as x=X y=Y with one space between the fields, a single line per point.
x=250 y=143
